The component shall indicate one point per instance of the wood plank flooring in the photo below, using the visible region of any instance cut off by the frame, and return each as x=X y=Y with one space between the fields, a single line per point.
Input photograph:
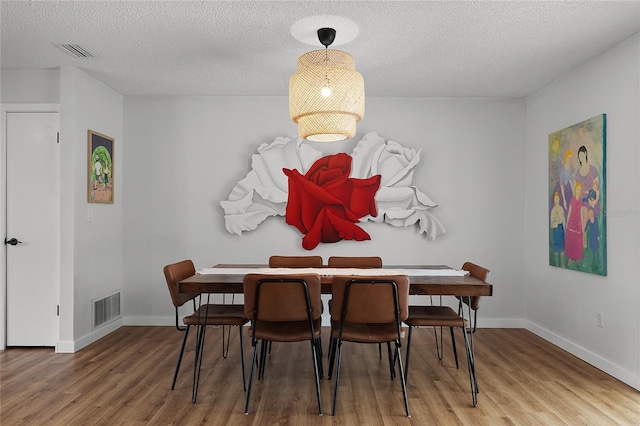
x=125 y=378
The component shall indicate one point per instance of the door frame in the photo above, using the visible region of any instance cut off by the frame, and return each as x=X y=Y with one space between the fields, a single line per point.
x=10 y=108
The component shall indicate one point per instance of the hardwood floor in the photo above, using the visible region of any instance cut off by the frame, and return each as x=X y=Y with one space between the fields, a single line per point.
x=125 y=378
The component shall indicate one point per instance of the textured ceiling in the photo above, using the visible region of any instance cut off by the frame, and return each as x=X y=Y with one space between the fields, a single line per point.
x=426 y=48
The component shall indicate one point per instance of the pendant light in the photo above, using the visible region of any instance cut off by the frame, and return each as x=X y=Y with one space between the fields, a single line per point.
x=326 y=94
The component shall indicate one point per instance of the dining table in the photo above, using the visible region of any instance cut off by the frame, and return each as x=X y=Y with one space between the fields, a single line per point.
x=424 y=279
x=431 y=280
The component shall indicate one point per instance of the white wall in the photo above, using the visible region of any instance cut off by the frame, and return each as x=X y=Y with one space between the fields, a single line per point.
x=561 y=305
x=91 y=252
x=184 y=155
x=30 y=86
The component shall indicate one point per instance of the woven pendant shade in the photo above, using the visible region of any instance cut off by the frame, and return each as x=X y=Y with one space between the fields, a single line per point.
x=331 y=118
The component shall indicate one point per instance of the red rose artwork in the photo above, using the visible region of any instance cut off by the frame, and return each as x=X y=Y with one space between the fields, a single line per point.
x=325 y=204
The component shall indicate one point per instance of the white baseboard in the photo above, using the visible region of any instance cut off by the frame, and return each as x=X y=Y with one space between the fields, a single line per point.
x=76 y=345
x=65 y=347
x=585 y=355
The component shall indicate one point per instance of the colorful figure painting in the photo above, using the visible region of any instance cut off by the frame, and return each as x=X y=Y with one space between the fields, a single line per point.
x=577 y=207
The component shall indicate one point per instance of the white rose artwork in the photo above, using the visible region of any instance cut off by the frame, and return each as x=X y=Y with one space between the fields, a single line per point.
x=264 y=192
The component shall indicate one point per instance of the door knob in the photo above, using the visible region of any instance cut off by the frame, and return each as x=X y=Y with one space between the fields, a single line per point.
x=12 y=242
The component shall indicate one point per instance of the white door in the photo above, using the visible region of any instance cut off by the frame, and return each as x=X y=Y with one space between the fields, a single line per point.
x=33 y=219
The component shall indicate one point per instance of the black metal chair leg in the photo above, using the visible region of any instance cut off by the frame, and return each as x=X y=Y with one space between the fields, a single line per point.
x=337 y=381
x=195 y=363
x=439 y=345
x=197 y=366
x=470 y=334
x=320 y=353
x=319 y=357
x=225 y=346
x=263 y=359
x=453 y=344
x=332 y=357
x=184 y=342
x=402 y=379
x=392 y=369
x=406 y=357
x=471 y=366
x=253 y=364
x=244 y=374
x=316 y=361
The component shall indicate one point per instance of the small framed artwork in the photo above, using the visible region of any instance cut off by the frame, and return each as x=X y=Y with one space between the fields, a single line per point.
x=577 y=197
x=100 y=168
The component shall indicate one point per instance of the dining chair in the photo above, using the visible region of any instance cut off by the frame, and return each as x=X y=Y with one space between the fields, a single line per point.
x=445 y=316
x=295 y=261
x=204 y=315
x=283 y=308
x=278 y=261
x=355 y=262
x=368 y=309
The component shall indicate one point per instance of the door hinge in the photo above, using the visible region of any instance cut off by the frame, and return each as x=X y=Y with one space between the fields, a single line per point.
x=58 y=137
x=58 y=310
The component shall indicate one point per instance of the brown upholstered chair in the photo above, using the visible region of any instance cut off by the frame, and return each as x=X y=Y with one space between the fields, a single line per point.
x=366 y=262
x=207 y=314
x=283 y=308
x=355 y=262
x=482 y=274
x=292 y=262
x=369 y=309
x=295 y=261
x=445 y=316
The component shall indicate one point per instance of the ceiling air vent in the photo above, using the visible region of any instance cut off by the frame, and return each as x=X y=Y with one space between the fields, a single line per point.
x=76 y=50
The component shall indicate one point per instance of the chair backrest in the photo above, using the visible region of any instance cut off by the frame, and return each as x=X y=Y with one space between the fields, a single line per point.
x=282 y=297
x=355 y=262
x=480 y=273
x=174 y=273
x=369 y=299
x=295 y=261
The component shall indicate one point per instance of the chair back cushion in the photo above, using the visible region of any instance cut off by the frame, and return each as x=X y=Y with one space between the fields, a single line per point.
x=480 y=273
x=355 y=262
x=476 y=271
x=174 y=273
x=282 y=297
x=370 y=299
x=295 y=261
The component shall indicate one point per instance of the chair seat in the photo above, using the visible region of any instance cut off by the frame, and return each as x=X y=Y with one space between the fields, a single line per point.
x=436 y=316
x=217 y=315
x=289 y=331
x=366 y=333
